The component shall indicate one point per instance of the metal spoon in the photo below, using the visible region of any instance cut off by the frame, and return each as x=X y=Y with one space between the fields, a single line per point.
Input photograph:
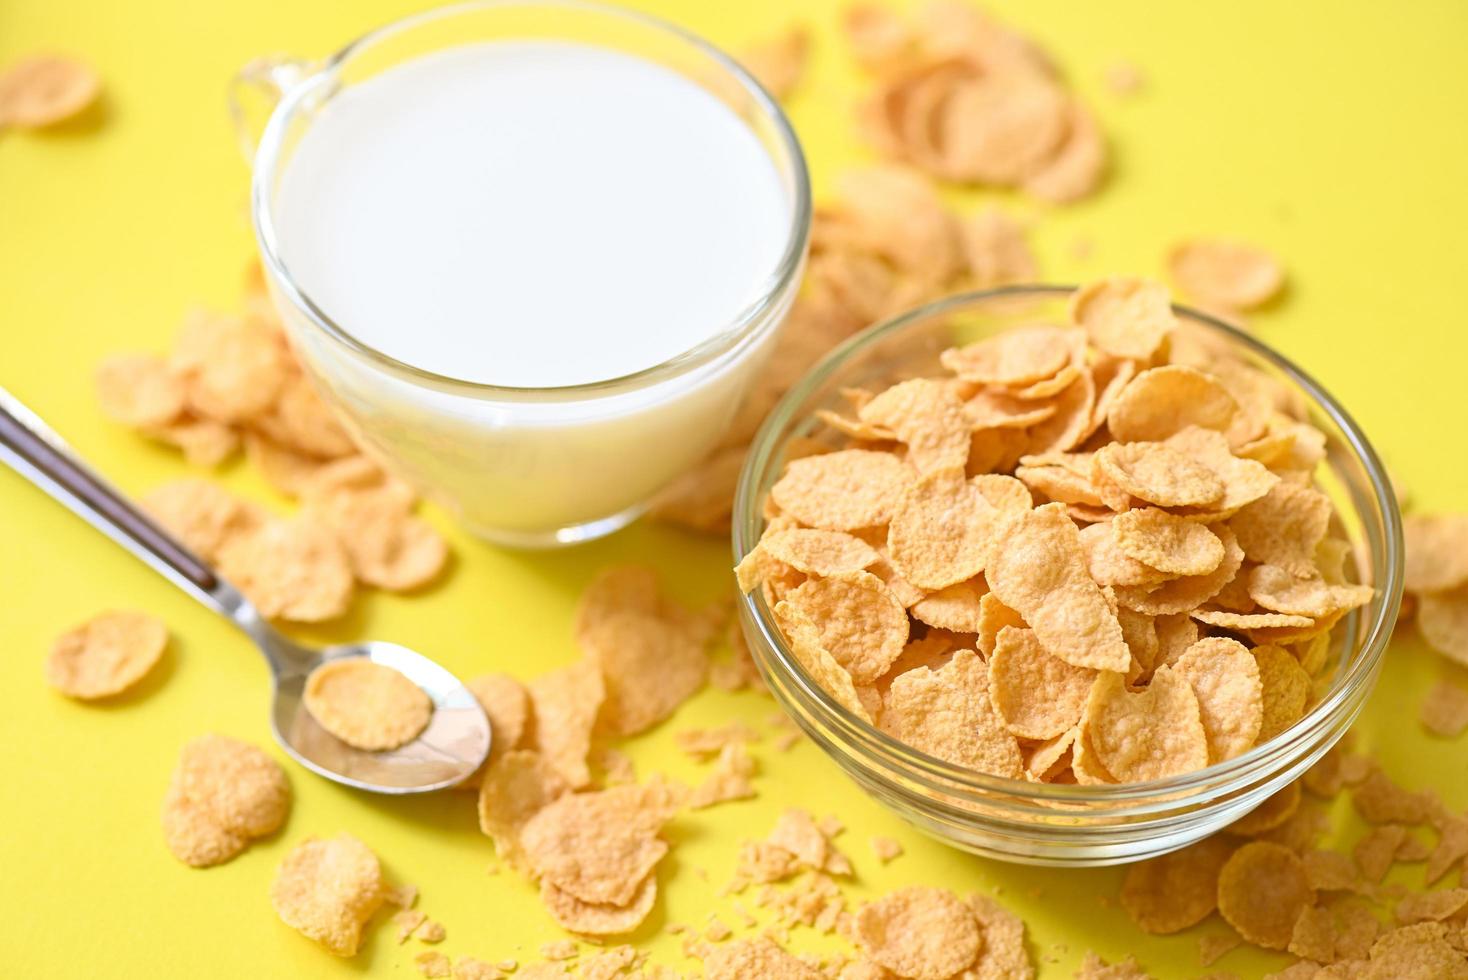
x=453 y=745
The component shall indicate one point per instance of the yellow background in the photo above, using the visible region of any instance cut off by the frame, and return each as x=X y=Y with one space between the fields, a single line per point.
x=1331 y=132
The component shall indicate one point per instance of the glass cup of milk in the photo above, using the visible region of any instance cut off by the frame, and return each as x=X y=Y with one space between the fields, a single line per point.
x=533 y=252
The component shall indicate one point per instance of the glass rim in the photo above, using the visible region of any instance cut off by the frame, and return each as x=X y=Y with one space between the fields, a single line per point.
x=741 y=327
x=949 y=778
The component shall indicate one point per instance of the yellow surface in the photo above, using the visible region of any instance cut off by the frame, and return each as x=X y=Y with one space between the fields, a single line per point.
x=1333 y=133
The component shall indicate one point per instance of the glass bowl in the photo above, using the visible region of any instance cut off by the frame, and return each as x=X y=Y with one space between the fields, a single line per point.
x=1063 y=824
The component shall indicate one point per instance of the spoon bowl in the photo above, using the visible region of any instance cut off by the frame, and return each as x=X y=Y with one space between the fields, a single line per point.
x=448 y=751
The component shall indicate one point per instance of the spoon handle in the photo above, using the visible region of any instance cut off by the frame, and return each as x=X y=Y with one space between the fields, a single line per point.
x=32 y=449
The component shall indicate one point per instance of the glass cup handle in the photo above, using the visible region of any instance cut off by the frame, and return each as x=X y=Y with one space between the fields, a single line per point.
x=254 y=91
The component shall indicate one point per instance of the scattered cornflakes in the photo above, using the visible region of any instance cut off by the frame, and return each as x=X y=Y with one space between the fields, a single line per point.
x=779 y=62
x=886 y=849
x=365 y=704
x=1444 y=711
x=1170 y=893
x=433 y=964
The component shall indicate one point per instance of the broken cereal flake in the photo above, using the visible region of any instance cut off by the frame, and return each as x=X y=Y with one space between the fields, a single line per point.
x=365 y=704
x=565 y=703
x=1170 y=893
x=816 y=660
x=327 y=890
x=886 y=849
x=431 y=932
x=1277 y=808
x=796 y=832
x=707 y=743
x=861 y=623
x=1213 y=946
x=995 y=248
x=139 y=390
x=1124 y=317
x=1436 y=551
x=433 y=964
x=1003 y=955
x=728 y=780
x=779 y=62
x=743 y=959
x=1442 y=619
x=919 y=932
x=223 y=794
x=1035 y=694
x=1148 y=734
x=106 y=655
x=506 y=704
x=201 y=514
x=560 y=949
x=928 y=417
x=1262 y=889
x=597 y=847
x=819 y=553
x=1064 y=606
x=650 y=665
x=1125 y=79
x=1095 y=968
x=1444 y=711
x=1381 y=800
x=408 y=922
x=1285 y=688
x=596 y=918
x=1225 y=275
x=290 y=569
x=947 y=713
x=469 y=968
x=514 y=788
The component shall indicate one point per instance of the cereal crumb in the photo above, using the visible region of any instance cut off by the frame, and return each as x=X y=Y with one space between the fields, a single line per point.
x=433 y=964
x=886 y=848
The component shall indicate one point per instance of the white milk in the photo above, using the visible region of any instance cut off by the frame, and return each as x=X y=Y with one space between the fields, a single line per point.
x=533 y=214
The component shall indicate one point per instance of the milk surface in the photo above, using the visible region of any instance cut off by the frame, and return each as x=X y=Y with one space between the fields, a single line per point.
x=530 y=213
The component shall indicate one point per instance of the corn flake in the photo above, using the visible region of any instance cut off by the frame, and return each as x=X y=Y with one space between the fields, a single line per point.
x=1125 y=318
x=293 y=569
x=1262 y=890
x=1036 y=695
x=941 y=530
x=365 y=704
x=1149 y=734
x=1041 y=574
x=1225 y=275
x=919 y=932
x=46 y=89
x=861 y=623
x=223 y=794
x=947 y=713
x=843 y=491
x=106 y=655
x=565 y=703
x=1225 y=678
x=1170 y=893
x=1170 y=544
x=327 y=890
x=1437 y=551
